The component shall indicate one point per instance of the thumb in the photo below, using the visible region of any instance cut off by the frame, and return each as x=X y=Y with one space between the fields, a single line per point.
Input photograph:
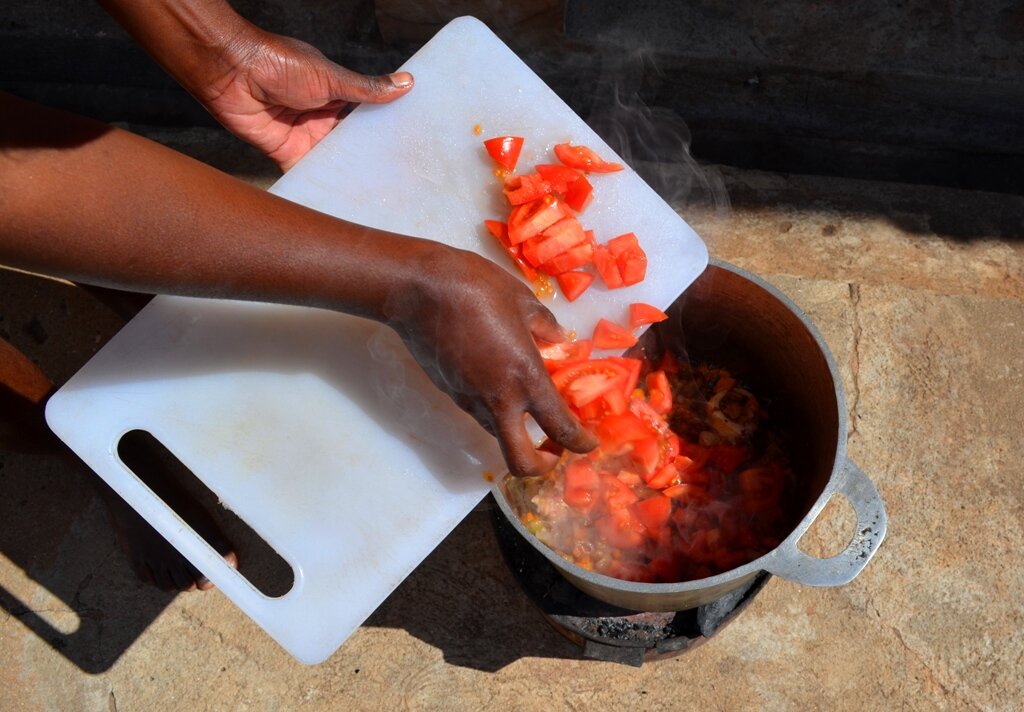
x=344 y=84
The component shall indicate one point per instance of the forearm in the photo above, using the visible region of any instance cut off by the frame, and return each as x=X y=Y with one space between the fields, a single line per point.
x=95 y=204
x=193 y=40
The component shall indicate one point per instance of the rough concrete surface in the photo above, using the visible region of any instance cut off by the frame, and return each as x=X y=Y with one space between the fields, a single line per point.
x=919 y=293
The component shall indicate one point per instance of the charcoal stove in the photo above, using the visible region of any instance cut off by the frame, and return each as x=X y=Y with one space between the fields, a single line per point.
x=607 y=632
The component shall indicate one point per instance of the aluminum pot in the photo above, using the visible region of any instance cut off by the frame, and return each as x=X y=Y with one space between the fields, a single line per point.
x=731 y=318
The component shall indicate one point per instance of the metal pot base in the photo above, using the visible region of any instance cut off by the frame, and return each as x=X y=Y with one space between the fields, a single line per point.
x=607 y=632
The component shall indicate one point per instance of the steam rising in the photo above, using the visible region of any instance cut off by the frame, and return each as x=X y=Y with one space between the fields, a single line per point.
x=655 y=141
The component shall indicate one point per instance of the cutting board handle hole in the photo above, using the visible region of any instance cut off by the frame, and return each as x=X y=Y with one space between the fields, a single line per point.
x=199 y=507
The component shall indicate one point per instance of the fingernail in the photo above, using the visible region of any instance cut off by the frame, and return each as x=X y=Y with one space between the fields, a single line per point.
x=401 y=80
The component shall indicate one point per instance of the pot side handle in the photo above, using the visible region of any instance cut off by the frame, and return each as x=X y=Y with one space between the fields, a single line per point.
x=789 y=562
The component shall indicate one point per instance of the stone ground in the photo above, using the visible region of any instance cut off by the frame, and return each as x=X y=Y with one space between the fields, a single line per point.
x=919 y=293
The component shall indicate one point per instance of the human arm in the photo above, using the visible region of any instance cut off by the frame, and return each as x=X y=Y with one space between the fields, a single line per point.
x=278 y=93
x=99 y=205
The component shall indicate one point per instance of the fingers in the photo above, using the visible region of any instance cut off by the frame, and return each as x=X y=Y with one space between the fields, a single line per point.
x=344 y=84
x=544 y=326
x=554 y=417
x=522 y=458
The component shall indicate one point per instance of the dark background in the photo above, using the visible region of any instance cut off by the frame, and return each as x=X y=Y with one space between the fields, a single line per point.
x=916 y=91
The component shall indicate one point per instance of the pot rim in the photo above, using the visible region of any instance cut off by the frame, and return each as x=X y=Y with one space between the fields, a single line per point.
x=751 y=567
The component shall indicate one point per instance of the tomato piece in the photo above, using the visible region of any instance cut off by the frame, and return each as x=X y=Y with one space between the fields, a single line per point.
x=630 y=259
x=530 y=219
x=505 y=150
x=607 y=267
x=560 y=177
x=617 y=494
x=632 y=266
x=584 y=159
x=572 y=258
x=500 y=232
x=564 y=353
x=579 y=194
x=621 y=530
x=581 y=485
x=559 y=238
x=634 y=366
x=623 y=243
x=525 y=188
x=653 y=513
x=664 y=477
x=585 y=382
x=647 y=452
x=619 y=429
x=641 y=314
x=659 y=392
x=609 y=335
x=573 y=283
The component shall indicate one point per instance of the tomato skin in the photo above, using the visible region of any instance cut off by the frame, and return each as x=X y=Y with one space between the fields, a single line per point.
x=641 y=314
x=584 y=159
x=609 y=335
x=505 y=150
x=573 y=283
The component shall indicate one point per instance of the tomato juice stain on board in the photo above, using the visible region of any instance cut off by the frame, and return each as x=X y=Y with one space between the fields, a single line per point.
x=488 y=476
x=477 y=129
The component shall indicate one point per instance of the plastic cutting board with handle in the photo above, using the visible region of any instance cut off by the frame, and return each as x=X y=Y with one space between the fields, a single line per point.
x=316 y=428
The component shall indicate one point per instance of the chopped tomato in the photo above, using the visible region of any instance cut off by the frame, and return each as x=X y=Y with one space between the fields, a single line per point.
x=582 y=485
x=565 y=353
x=526 y=188
x=618 y=430
x=621 y=529
x=584 y=159
x=630 y=259
x=531 y=219
x=617 y=494
x=573 y=283
x=609 y=335
x=559 y=238
x=634 y=366
x=647 y=452
x=572 y=258
x=664 y=477
x=500 y=231
x=505 y=150
x=653 y=513
x=607 y=267
x=659 y=392
x=582 y=383
x=578 y=194
x=641 y=314
x=560 y=177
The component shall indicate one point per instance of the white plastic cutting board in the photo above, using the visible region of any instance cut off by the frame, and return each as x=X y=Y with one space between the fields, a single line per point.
x=317 y=428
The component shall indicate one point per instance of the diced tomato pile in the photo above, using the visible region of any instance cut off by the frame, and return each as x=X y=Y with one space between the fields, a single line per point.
x=687 y=481
x=542 y=234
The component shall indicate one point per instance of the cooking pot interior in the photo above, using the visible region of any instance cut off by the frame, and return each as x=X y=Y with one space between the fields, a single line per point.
x=728 y=320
